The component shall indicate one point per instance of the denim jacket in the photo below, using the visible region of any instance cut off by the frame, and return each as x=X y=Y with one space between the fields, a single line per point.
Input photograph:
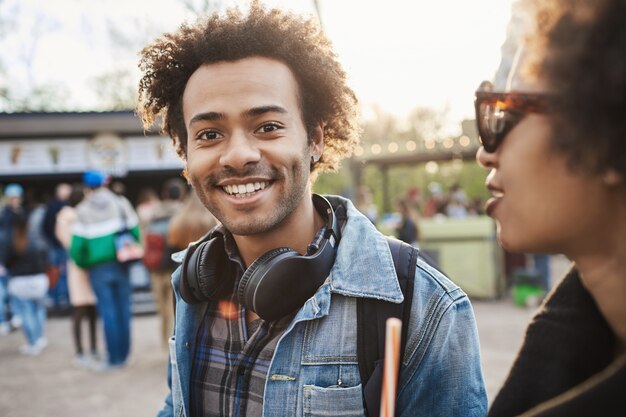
x=315 y=372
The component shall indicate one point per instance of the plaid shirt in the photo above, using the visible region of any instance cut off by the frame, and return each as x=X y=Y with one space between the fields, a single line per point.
x=230 y=367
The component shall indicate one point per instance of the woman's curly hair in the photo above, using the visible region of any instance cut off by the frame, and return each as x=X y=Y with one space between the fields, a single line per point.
x=582 y=46
x=299 y=43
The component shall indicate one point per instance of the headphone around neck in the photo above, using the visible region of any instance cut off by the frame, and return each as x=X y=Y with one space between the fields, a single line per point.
x=274 y=285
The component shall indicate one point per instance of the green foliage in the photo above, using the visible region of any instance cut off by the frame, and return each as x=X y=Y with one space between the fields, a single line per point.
x=468 y=175
x=337 y=183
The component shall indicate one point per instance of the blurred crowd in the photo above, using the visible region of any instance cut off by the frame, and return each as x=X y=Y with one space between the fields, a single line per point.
x=77 y=253
x=414 y=205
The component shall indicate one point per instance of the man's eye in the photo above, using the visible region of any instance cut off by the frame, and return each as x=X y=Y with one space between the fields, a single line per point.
x=269 y=127
x=209 y=135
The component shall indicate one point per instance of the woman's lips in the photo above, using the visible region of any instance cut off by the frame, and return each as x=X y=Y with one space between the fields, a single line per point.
x=491 y=204
x=497 y=194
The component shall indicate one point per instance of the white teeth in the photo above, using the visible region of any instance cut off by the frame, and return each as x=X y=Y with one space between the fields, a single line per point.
x=497 y=194
x=244 y=189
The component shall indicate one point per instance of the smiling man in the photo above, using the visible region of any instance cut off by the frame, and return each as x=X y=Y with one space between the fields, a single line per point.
x=266 y=303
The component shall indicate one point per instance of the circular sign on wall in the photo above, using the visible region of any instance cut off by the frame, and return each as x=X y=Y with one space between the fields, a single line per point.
x=107 y=152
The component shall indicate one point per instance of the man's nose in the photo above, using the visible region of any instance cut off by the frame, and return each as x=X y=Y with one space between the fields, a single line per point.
x=241 y=150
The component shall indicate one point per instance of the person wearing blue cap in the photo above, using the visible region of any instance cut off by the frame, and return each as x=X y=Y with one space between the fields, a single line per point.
x=13 y=209
x=101 y=216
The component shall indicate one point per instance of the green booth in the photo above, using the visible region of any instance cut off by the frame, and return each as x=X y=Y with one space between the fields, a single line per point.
x=467 y=251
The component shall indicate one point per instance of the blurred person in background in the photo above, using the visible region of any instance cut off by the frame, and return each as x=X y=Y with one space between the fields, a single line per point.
x=190 y=223
x=554 y=140
x=158 y=252
x=100 y=217
x=365 y=203
x=12 y=210
x=407 y=230
x=541 y=267
x=435 y=205
x=82 y=297
x=58 y=292
x=26 y=262
x=456 y=206
x=147 y=202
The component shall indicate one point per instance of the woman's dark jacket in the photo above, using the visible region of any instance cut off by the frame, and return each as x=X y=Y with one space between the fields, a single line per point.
x=567 y=365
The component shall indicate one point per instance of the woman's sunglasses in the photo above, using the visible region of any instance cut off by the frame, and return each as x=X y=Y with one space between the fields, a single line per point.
x=498 y=113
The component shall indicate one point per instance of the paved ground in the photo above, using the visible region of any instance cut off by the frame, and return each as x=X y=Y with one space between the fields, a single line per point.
x=49 y=385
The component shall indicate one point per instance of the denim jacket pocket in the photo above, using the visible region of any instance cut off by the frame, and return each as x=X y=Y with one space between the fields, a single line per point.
x=333 y=401
x=176 y=388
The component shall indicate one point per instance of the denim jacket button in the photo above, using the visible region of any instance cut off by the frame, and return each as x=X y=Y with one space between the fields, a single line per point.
x=187 y=345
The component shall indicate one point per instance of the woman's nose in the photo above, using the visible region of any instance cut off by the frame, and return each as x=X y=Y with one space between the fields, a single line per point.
x=486 y=159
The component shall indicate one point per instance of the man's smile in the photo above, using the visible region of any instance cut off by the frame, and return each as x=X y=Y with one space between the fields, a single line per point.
x=245 y=189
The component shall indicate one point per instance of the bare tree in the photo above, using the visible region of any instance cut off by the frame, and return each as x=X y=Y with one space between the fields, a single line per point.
x=427 y=123
x=201 y=7
x=116 y=90
x=28 y=94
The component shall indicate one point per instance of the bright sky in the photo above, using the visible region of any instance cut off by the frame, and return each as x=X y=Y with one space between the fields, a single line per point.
x=399 y=54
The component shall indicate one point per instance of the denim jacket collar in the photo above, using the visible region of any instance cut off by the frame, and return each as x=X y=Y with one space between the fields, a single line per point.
x=363 y=253
x=363 y=267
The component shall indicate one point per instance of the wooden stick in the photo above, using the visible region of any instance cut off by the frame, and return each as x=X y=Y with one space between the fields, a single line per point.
x=393 y=332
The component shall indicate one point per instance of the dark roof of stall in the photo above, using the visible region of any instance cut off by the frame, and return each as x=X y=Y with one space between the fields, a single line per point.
x=68 y=124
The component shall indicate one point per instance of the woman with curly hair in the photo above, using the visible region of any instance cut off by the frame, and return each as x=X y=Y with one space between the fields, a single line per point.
x=554 y=140
x=266 y=316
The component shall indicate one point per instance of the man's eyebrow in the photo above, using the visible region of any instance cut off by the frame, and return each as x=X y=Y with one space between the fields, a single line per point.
x=208 y=116
x=257 y=111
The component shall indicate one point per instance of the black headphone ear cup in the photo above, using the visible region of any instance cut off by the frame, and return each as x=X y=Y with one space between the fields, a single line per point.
x=188 y=285
x=205 y=272
x=212 y=269
x=243 y=295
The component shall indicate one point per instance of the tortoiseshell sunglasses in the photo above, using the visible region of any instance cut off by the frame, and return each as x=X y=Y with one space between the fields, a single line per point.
x=498 y=113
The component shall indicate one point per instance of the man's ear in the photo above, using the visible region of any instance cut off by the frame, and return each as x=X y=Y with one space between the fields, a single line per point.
x=316 y=137
x=612 y=178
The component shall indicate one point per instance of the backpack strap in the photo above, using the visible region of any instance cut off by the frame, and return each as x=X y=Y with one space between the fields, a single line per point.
x=372 y=315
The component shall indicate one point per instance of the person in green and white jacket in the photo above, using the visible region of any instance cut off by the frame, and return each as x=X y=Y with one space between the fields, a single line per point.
x=101 y=215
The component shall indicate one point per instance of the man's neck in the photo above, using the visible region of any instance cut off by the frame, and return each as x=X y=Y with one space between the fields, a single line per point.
x=296 y=231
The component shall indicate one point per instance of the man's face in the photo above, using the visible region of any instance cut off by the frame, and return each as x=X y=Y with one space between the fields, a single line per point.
x=247 y=151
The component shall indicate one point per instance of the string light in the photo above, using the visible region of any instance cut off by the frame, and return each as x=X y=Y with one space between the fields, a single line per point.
x=431 y=167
